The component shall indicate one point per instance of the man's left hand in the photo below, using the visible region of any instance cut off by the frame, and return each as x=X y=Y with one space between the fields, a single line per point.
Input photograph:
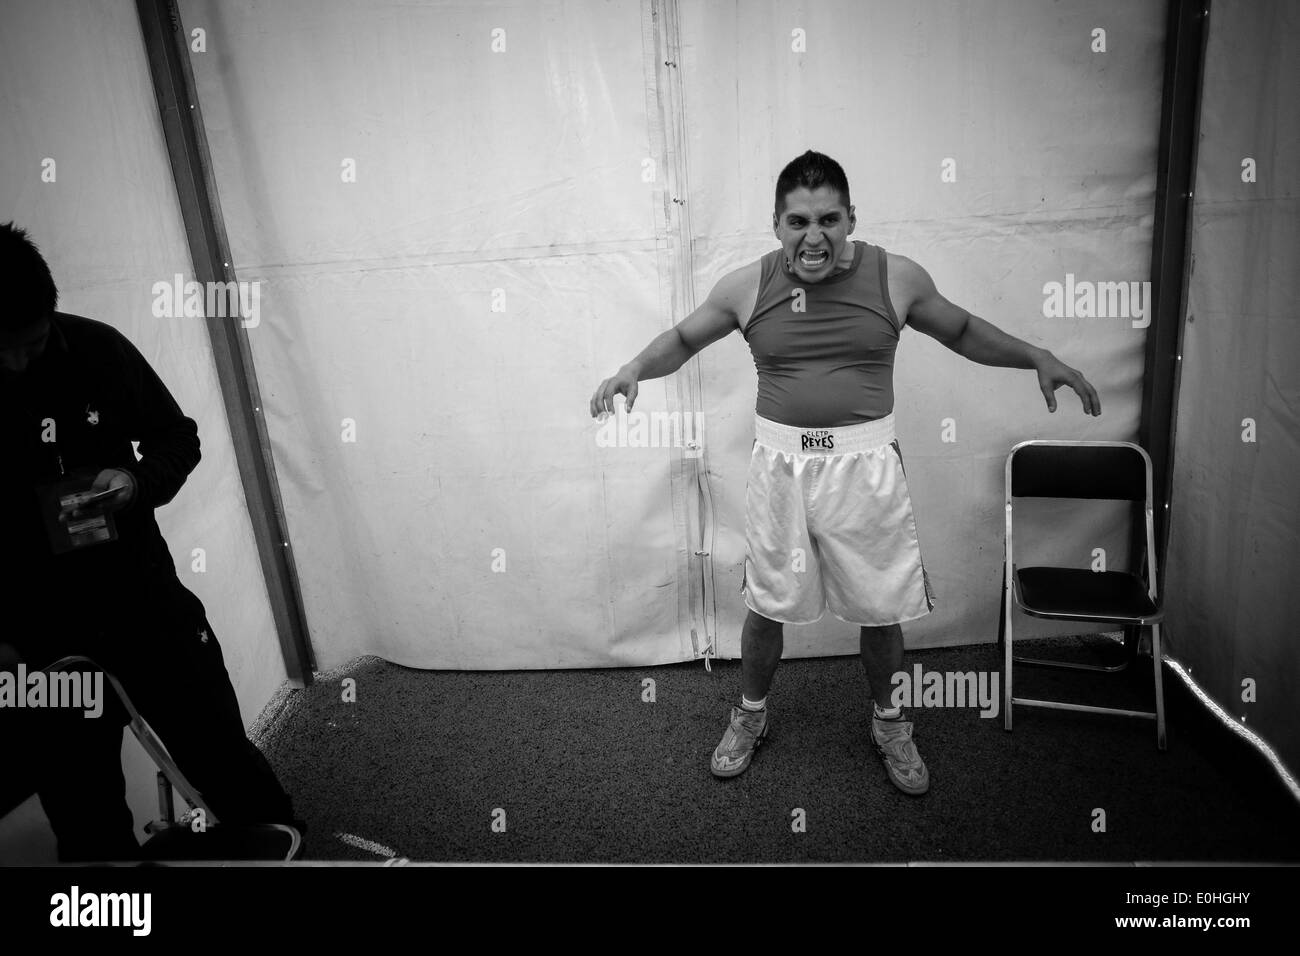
x=1053 y=373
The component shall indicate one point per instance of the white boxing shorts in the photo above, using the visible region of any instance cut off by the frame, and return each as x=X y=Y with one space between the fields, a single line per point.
x=828 y=523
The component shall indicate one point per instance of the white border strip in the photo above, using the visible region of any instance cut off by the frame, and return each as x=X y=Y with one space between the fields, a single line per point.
x=1238 y=728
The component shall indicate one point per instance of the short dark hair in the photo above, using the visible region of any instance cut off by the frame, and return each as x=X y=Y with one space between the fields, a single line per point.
x=811 y=170
x=27 y=290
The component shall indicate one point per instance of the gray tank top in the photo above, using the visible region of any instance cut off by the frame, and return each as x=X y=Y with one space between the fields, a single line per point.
x=831 y=364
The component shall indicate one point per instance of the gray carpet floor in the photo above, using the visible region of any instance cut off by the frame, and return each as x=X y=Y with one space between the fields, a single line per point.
x=573 y=766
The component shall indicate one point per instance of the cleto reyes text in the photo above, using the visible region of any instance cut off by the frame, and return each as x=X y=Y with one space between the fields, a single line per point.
x=817 y=439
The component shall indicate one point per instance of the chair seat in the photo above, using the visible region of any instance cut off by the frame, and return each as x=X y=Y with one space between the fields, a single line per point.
x=1115 y=596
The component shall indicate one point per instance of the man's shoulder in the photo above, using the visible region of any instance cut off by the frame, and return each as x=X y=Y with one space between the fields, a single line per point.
x=907 y=280
x=740 y=281
x=90 y=335
x=86 y=328
x=904 y=268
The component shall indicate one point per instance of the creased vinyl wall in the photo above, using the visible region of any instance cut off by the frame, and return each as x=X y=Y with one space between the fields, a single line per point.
x=1053 y=148
x=78 y=105
x=1234 y=548
x=445 y=206
x=461 y=219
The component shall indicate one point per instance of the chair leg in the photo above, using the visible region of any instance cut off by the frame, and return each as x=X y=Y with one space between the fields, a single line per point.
x=1006 y=635
x=1132 y=638
x=166 y=803
x=1002 y=607
x=1157 y=664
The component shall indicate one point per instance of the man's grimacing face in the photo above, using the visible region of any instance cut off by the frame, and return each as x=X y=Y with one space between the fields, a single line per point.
x=19 y=349
x=814 y=221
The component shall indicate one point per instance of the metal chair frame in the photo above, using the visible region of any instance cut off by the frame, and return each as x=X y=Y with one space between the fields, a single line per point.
x=170 y=777
x=1012 y=600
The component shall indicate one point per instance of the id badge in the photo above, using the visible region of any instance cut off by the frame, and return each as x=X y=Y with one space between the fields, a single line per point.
x=72 y=534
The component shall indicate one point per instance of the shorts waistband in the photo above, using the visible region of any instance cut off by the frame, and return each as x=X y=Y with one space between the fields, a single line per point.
x=844 y=440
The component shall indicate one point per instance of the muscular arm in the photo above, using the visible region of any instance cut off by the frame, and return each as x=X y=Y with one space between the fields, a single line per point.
x=967 y=335
x=980 y=341
x=669 y=351
x=713 y=320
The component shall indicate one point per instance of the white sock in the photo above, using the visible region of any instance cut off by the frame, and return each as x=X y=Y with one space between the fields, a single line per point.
x=748 y=704
x=893 y=713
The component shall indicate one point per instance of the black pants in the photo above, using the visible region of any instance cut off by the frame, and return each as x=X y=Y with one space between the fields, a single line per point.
x=169 y=663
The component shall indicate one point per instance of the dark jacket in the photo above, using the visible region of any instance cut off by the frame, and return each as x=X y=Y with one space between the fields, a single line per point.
x=101 y=395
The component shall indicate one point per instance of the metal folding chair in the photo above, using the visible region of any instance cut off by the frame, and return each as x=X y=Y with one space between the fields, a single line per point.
x=184 y=839
x=1118 y=471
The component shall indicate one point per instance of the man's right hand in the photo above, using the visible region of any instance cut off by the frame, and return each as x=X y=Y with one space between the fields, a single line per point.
x=623 y=382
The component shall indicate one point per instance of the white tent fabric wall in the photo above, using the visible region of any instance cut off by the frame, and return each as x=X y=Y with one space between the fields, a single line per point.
x=1234 y=543
x=499 y=152
x=77 y=92
x=1054 y=148
x=497 y=253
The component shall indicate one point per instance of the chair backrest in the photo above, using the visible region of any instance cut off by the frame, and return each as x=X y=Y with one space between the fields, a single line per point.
x=1066 y=469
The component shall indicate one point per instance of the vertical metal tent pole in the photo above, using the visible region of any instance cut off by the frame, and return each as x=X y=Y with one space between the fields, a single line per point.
x=1185 y=38
x=196 y=189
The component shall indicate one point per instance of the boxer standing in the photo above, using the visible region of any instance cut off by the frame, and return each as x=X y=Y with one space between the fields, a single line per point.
x=829 y=521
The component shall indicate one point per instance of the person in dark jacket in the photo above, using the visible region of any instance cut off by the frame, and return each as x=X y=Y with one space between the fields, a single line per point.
x=98 y=579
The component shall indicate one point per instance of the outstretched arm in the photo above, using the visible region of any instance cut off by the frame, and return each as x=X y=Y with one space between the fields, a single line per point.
x=669 y=350
x=980 y=341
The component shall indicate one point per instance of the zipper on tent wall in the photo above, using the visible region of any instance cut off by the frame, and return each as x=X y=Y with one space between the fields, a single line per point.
x=669 y=108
